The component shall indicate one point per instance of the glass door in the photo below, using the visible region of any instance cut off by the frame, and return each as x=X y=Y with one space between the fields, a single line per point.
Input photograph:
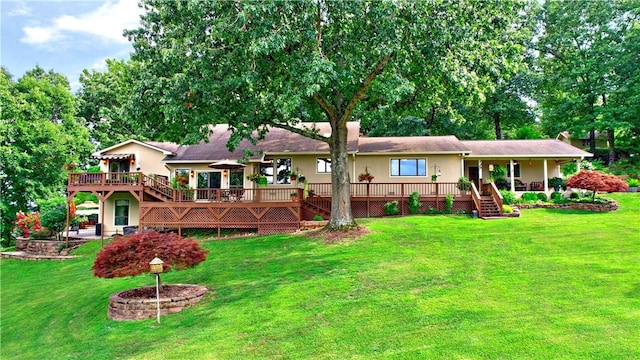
x=207 y=185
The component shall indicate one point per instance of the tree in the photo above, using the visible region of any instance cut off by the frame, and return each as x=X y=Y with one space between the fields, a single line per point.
x=596 y=181
x=39 y=134
x=580 y=48
x=130 y=255
x=102 y=100
x=256 y=65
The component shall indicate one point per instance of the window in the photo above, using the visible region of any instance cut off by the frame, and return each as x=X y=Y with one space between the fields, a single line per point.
x=408 y=167
x=122 y=212
x=323 y=165
x=516 y=170
x=282 y=170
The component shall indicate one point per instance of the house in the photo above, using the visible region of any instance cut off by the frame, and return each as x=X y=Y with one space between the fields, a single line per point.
x=155 y=184
x=582 y=141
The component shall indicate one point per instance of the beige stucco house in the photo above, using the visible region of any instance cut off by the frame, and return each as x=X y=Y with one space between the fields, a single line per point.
x=390 y=160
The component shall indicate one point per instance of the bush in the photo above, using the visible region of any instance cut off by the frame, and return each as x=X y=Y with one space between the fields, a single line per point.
x=569 y=168
x=631 y=182
x=507 y=209
x=41 y=234
x=557 y=197
x=508 y=197
x=542 y=196
x=391 y=208
x=574 y=195
x=529 y=196
x=25 y=224
x=414 y=203
x=556 y=183
x=502 y=183
x=448 y=204
x=317 y=218
x=130 y=255
x=53 y=214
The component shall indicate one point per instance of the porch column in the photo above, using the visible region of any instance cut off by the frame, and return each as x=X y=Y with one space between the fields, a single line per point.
x=461 y=166
x=480 y=172
x=546 y=176
x=511 y=179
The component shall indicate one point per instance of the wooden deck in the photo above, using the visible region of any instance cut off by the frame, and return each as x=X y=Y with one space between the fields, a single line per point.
x=266 y=209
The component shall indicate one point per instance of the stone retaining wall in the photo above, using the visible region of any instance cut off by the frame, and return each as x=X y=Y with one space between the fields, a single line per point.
x=135 y=309
x=609 y=206
x=46 y=247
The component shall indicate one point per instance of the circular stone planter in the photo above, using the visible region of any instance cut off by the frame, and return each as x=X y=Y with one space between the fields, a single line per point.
x=141 y=303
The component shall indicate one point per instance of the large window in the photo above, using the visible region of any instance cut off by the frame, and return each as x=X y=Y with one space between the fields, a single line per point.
x=516 y=170
x=280 y=168
x=121 y=217
x=323 y=165
x=408 y=167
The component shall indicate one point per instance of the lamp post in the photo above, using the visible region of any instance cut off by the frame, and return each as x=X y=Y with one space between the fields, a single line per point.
x=156 y=268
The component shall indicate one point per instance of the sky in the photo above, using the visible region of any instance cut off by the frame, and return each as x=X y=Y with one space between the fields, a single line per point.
x=65 y=36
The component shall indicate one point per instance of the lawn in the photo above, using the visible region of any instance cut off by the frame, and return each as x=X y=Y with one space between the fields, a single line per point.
x=551 y=284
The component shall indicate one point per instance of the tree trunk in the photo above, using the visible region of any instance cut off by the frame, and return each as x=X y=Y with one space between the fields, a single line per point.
x=612 y=150
x=341 y=217
x=496 y=120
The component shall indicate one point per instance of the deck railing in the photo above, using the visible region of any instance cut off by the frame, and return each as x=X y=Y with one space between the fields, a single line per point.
x=161 y=185
x=391 y=189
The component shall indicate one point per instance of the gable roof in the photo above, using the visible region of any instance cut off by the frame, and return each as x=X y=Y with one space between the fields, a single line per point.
x=277 y=141
x=542 y=148
x=412 y=144
x=166 y=148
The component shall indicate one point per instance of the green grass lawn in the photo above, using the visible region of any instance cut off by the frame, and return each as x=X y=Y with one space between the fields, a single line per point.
x=551 y=284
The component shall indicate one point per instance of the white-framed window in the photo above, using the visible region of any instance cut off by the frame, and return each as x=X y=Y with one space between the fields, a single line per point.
x=323 y=165
x=408 y=167
x=278 y=168
x=121 y=212
x=516 y=170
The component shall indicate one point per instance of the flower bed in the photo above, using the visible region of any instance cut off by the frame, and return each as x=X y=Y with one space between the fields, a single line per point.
x=141 y=303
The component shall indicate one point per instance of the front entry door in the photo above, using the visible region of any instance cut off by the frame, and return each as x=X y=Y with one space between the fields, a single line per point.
x=474 y=175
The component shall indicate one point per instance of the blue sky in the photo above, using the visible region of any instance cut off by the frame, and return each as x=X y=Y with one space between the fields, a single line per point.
x=66 y=36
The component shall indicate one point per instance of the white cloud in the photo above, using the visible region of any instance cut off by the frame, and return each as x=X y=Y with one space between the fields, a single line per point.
x=21 y=9
x=106 y=23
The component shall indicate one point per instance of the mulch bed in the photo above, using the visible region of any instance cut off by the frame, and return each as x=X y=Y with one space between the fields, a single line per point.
x=337 y=236
x=166 y=291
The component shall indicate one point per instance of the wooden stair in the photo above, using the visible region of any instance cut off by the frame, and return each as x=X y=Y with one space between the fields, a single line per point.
x=319 y=205
x=489 y=209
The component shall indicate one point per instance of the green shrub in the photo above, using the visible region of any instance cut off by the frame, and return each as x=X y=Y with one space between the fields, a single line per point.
x=507 y=209
x=557 y=197
x=569 y=168
x=41 y=234
x=542 y=196
x=391 y=208
x=448 y=204
x=318 y=218
x=414 y=203
x=556 y=183
x=502 y=183
x=508 y=197
x=529 y=196
x=53 y=214
x=574 y=195
x=633 y=182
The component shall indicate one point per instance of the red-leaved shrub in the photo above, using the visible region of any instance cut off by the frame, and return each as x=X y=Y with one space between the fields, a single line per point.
x=130 y=255
x=597 y=181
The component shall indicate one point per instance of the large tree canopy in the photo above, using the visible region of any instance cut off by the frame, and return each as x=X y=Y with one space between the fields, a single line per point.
x=258 y=64
x=586 y=67
x=39 y=134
